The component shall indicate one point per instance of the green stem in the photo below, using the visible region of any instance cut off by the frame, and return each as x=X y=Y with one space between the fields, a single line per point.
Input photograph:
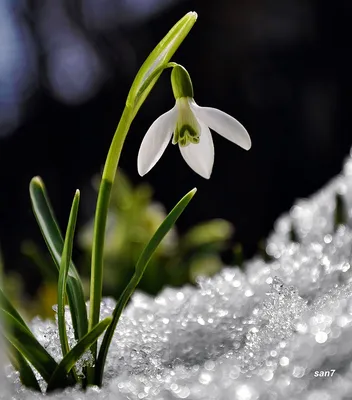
x=142 y=93
x=101 y=213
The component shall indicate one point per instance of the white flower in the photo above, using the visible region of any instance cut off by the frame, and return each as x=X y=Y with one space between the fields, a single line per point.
x=189 y=124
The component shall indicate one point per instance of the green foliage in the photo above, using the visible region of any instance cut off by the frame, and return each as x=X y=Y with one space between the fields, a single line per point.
x=132 y=218
x=63 y=273
x=21 y=365
x=24 y=341
x=64 y=268
x=55 y=243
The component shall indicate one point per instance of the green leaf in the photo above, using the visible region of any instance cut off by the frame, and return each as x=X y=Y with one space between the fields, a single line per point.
x=21 y=365
x=6 y=305
x=64 y=268
x=141 y=265
x=53 y=238
x=163 y=229
x=16 y=358
x=25 y=342
x=157 y=60
x=75 y=353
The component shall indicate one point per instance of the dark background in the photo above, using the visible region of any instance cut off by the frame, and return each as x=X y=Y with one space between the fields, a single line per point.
x=281 y=67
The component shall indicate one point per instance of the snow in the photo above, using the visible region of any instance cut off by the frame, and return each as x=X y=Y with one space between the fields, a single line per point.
x=265 y=332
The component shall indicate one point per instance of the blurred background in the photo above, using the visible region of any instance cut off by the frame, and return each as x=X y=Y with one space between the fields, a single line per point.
x=281 y=67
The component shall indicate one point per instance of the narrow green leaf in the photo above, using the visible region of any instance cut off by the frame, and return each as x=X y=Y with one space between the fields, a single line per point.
x=64 y=267
x=6 y=305
x=25 y=342
x=21 y=365
x=163 y=229
x=141 y=265
x=159 y=57
x=16 y=358
x=53 y=238
x=75 y=353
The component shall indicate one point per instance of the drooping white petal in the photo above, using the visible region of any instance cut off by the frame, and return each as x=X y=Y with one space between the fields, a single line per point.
x=200 y=157
x=223 y=124
x=155 y=141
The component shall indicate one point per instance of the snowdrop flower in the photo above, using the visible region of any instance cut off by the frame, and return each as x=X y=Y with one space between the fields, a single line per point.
x=189 y=124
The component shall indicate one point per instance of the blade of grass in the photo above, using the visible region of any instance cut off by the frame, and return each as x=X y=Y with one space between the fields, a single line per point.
x=25 y=342
x=75 y=353
x=21 y=365
x=141 y=265
x=64 y=268
x=53 y=238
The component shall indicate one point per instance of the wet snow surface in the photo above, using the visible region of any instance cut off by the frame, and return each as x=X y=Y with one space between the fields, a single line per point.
x=260 y=333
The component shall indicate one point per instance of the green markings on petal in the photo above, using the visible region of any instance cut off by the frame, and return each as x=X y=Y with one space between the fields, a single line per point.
x=187 y=135
x=183 y=142
x=187 y=128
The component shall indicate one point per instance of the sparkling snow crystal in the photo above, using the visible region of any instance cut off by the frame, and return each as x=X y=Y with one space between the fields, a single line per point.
x=275 y=330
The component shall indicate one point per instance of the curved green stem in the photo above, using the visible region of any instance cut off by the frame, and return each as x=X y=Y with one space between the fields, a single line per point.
x=101 y=213
x=103 y=201
x=145 y=79
x=142 y=91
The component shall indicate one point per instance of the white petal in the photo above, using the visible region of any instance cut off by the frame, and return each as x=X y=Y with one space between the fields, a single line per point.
x=155 y=141
x=223 y=124
x=200 y=157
